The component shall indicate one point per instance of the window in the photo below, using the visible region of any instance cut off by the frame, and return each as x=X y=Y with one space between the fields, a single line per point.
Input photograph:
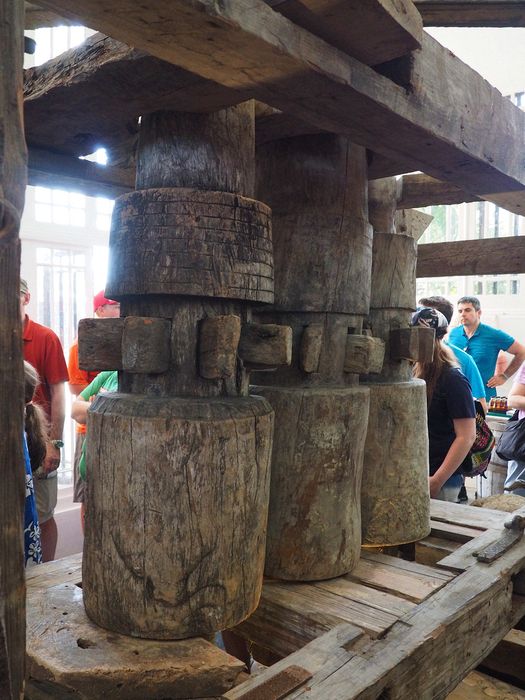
x=478 y=287
x=104 y=208
x=60 y=207
x=52 y=41
x=514 y=287
x=480 y=219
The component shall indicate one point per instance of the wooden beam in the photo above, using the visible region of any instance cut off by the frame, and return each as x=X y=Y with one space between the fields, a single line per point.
x=36 y=17
x=49 y=169
x=419 y=190
x=488 y=256
x=93 y=95
x=393 y=28
x=472 y=13
x=13 y=157
x=258 y=51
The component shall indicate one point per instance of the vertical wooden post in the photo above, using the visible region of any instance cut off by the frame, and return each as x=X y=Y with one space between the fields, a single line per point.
x=316 y=186
x=178 y=488
x=13 y=158
x=395 y=502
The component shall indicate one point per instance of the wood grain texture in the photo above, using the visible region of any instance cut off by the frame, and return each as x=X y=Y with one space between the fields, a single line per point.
x=412 y=222
x=393 y=271
x=100 y=343
x=415 y=344
x=394 y=493
x=218 y=342
x=479 y=686
x=316 y=188
x=316 y=471
x=175 y=526
x=13 y=157
x=96 y=92
x=191 y=242
x=265 y=344
x=364 y=354
x=146 y=345
x=472 y=13
x=201 y=151
x=442 y=129
x=490 y=256
x=394 y=28
x=419 y=190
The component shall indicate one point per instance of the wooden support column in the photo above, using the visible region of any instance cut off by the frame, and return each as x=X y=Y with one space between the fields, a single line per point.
x=12 y=191
x=178 y=460
x=316 y=186
x=395 y=501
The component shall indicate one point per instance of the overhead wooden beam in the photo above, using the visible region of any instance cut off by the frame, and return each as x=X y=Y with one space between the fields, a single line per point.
x=488 y=256
x=472 y=13
x=92 y=95
x=393 y=29
x=419 y=190
x=49 y=169
x=36 y=17
x=256 y=50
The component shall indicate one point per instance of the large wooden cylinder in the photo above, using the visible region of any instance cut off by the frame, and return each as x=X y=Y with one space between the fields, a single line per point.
x=178 y=499
x=395 y=503
x=178 y=461
x=316 y=186
x=314 y=524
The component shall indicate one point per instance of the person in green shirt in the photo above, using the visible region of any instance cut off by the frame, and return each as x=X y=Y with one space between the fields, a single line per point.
x=105 y=381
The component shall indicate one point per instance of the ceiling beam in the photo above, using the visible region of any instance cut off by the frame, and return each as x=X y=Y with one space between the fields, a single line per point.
x=419 y=190
x=486 y=256
x=48 y=169
x=472 y=13
x=475 y=142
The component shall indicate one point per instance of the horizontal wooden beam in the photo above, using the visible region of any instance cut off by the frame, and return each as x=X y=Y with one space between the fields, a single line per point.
x=92 y=96
x=419 y=190
x=257 y=51
x=487 y=256
x=393 y=29
x=49 y=169
x=36 y=17
x=472 y=13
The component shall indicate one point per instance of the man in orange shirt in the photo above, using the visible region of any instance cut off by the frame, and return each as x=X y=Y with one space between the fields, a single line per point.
x=79 y=380
x=43 y=350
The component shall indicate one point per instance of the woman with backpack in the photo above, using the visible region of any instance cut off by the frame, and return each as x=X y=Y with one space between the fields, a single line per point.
x=451 y=414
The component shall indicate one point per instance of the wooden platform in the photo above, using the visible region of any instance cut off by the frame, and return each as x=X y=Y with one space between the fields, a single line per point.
x=391 y=628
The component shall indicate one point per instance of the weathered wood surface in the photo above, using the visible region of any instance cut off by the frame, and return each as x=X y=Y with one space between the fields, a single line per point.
x=415 y=344
x=419 y=190
x=383 y=195
x=394 y=491
x=489 y=256
x=69 y=656
x=100 y=343
x=316 y=188
x=412 y=222
x=478 y=686
x=36 y=16
x=218 y=342
x=288 y=68
x=316 y=469
x=191 y=142
x=364 y=354
x=310 y=348
x=97 y=91
x=476 y=605
x=183 y=241
x=393 y=29
x=472 y=13
x=204 y=478
x=48 y=169
x=12 y=190
x=146 y=345
x=265 y=345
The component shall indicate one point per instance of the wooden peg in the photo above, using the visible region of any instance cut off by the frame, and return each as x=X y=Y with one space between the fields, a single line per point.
x=100 y=343
x=415 y=344
x=146 y=345
x=311 y=344
x=265 y=345
x=218 y=342
x=364 y=354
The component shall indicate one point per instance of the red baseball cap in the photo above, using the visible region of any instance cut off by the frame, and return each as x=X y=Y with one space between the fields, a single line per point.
x=100 y=300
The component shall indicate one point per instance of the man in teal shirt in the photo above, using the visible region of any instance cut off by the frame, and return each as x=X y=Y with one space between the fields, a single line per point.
x=483 y=343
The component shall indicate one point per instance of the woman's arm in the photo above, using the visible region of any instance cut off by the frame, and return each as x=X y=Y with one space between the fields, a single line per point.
x=79 y=410
x=517 y=396
x=465 y=429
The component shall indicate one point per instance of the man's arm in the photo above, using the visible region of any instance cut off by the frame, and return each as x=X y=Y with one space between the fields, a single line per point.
x=57 y=406
x=518 y=350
